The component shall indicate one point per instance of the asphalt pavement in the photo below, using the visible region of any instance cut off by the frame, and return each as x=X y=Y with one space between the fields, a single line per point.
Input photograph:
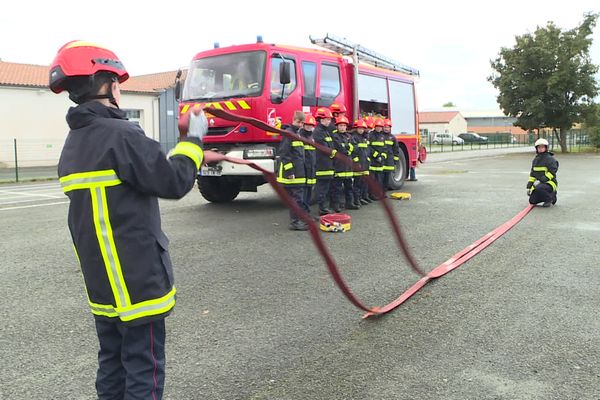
x=259 y=317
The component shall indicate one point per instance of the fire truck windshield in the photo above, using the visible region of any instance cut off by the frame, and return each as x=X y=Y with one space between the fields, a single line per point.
x=225 y=76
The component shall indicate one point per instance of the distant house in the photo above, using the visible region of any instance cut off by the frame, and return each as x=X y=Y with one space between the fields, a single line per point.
x=432 y=122
x=491 y=122
x=35 y=117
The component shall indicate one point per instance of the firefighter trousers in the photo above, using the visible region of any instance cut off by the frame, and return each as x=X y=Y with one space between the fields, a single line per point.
x=543 y=193
x=131 y=360
x=323 y=188
x=296 y=193
x=360 y=188
x=342 y=189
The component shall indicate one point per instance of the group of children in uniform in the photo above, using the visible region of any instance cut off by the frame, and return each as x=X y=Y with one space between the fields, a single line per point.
x=302 y=169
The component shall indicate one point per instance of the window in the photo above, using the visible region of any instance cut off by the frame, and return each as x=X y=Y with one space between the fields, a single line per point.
x=309 y=71
x=403 y=107
x=330 y=84
x=225 y=76
x=134 y=116
x=372 y=96
x=276 y=86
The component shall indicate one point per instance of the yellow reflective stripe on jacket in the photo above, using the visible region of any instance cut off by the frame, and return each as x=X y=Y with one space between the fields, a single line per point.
x=344 y=174
x=532 y=179
x=375 y=154
x=311 y=181
x=107 y=247
x=372 y=168
x=88 y=180
x=350 y=147
x=325 y=173
x=288 y=166
x=297 y=143
x=396 y=158
x=377 y=144
x=363 y=145
x=333 y=153
x=361 y=173
x=389 y=142
x=137 y=310
x=308 y=147
x=190 y=150
x=547 y=173
x=388 y=167
x=553 y=184
x=328 y=139
x=355 y=159
x=288 y=181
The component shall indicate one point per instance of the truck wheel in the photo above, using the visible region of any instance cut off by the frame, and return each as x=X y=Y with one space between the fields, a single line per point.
x=397 y=177
x=219 y=189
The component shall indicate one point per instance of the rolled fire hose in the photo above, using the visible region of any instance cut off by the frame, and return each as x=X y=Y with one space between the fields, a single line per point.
x=453 y=263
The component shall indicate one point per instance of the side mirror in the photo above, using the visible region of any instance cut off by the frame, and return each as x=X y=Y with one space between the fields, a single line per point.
x=284 y=73
x=178 y=86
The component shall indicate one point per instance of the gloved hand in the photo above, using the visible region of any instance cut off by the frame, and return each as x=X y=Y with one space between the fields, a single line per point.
x=528 y=192
x=198 y=125
x=536 y=183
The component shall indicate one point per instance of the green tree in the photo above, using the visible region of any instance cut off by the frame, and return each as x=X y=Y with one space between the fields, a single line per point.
x=547 y=78
x=592 y=124
x=449 y=105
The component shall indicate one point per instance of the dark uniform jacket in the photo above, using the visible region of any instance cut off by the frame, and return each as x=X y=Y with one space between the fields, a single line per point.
x=361 y=153
x=378 y=149
x=291 y=162
x=392 y=150
x=310 y=158
x=324 y=161
x=342 y=142
x=113 y=175
x=544 y=168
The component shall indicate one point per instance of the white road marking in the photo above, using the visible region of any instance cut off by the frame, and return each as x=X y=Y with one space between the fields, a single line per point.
x=33 y=205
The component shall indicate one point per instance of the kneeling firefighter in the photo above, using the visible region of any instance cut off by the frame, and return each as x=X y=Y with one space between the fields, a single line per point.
x=542 y=185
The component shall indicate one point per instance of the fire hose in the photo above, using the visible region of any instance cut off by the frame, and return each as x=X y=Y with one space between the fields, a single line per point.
x=451 y=264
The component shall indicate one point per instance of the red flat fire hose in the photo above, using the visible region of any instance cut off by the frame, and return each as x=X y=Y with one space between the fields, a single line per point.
x=453 y=263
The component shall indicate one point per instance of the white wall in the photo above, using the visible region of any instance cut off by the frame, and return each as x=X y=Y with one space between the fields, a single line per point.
x=36 y=119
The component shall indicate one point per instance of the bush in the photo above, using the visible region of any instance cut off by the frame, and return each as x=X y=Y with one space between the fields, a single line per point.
x=594 y=133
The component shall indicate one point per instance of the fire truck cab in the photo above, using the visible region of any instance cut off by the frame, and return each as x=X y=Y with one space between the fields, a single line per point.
x=270 y=82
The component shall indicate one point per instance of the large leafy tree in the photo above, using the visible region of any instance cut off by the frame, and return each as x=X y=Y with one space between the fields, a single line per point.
x=547 y=78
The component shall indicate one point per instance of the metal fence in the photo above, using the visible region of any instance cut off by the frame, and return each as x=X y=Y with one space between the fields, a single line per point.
x=576 y=139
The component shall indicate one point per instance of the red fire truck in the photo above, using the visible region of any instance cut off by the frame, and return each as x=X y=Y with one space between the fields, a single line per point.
x=269 y=82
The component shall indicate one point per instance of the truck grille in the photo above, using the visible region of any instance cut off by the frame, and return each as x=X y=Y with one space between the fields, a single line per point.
x=219 y=131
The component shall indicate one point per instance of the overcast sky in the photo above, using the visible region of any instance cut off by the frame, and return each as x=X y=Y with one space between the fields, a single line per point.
x=451 y=43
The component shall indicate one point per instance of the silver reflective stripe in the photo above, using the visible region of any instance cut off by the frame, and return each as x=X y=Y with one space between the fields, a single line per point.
x=90 y=180
x=106 y=245
x=147 y=309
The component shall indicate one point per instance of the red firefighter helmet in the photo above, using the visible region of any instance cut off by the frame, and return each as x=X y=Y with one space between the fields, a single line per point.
x=79 y=58
x=360 y=123
x=369 y=121
x=323 y=112
x=337 y=108
x=310 y=120
x=387 y=122
x=341 y=120
x=378 y=122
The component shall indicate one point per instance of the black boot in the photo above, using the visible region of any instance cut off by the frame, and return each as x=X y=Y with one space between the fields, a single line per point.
x=325 y=211
x=364 y=202
x=298 y=225
x=352 y=206
x=336 y=207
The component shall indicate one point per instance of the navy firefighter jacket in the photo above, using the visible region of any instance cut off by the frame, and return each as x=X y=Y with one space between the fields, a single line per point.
x=113 y=175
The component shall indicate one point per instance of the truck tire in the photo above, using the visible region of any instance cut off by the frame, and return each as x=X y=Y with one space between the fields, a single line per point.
x=219 y=189
x=398 y=176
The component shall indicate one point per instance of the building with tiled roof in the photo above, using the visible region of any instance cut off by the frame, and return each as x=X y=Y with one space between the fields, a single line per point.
x=432 y=122
x=35 y=117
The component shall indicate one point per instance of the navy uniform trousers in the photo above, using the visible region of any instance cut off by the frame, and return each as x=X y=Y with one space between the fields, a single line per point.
x=131 y=360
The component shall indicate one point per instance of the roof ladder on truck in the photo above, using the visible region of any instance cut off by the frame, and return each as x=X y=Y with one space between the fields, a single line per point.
x=359 y=53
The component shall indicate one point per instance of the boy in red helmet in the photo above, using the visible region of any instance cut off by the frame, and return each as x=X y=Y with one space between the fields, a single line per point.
x=378 y=155
x=337 y=110
x=113 y=175
x=392 y=150
x=361 y=158
x=324 y=162
x=342 y=181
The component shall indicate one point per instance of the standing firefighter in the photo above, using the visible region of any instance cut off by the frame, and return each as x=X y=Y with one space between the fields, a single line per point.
x=324 y=163
x=113 y=175
x=392 y=150
x=542 y=185
x=291 y=174
x=342 y=181
x=378 y=155
x=361 y=158
x=310 y=158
